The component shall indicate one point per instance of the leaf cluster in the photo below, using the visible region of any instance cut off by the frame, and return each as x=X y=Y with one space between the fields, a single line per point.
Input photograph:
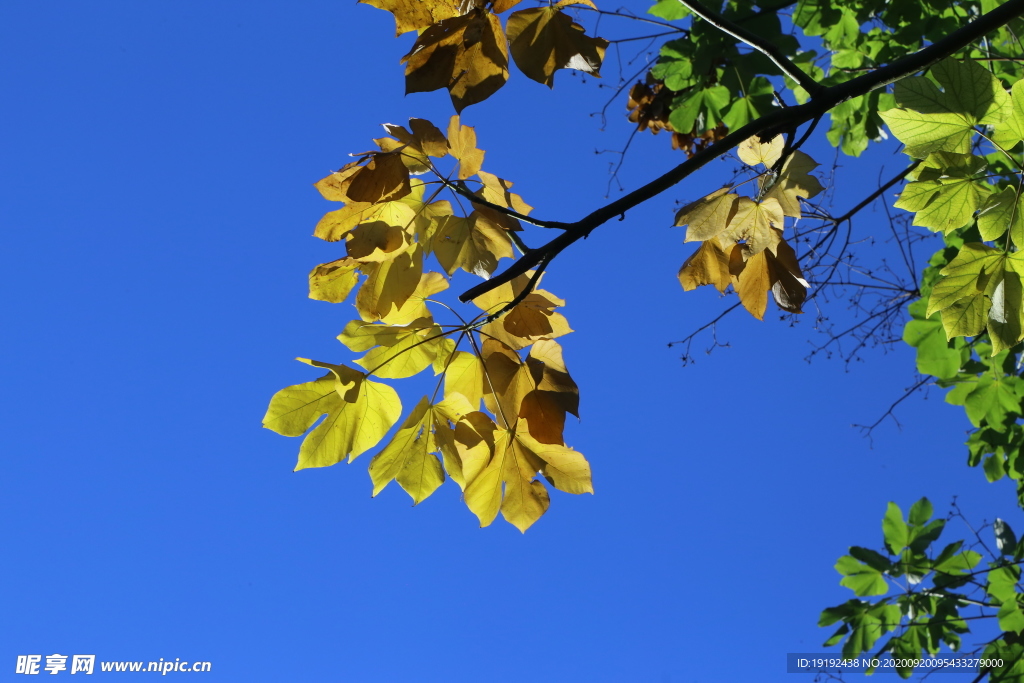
x=495 y=421
x=927 y=592
x=462 y=46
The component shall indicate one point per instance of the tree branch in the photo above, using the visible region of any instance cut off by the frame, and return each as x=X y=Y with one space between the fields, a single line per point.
x=767 y=49
x=766 y=127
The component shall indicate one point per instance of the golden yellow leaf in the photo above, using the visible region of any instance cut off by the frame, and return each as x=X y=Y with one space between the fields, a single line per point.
x=794 y=181
x=336 y=225
x=496 y=191
x=414 y=147
x=532 y=319
x=467 y=55
x=333 y=281
x=415 y=306
x=504 y=5
x=412 y=15
x=515 y=461
x=709 y=265
x=550 y=374
x=334 y=186
x=753 y=284
x=507 y=380
x=545 y=39
x=389 y=285
x=473 y=244
x=474 y=442
x=383 y=178
x=462 y=146
x=753 y=152
x=708 y=216
x=752 y=222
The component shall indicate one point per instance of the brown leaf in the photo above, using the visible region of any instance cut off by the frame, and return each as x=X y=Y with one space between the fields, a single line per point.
x=788 y=286
x=412 y=15
x=545 y=39
x=384 y=178
x=466 y=55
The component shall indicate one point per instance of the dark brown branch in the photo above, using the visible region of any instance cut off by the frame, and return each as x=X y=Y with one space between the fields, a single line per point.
x=767 y=49
x=766 y=127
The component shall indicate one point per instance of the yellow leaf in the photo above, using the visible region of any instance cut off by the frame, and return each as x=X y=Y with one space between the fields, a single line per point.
x=496 y=191
x=753 y=152
x=507 y=380
x=545 y=39
x=424 y=141
x=415 y=306
x=753 y=284
x=465 y=376
x=474 y=441
x=794 y=181
x=377 y=241
x=708 y=216
x=409 y=457
x=507 y=482
x=462 y=146
x=550 y=374
x=709 y=265
x=389 y=285
x=395 y=352
x=473 y=244
x=753 y=223
x=333 y=281
x=359 y=413
x=466 y=55
x=532 y=319
x=412 y=15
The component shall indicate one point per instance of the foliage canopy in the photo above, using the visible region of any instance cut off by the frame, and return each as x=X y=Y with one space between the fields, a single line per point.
x=744 y=77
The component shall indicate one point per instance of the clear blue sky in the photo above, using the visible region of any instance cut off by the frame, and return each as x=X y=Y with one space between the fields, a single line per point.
x=157 y=207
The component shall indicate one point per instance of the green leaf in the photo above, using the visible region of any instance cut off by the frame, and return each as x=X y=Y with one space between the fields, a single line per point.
x=1010 y=617
x=669 y=10
x=1002 y=583
x=895 y=529
x=700 y=111
x=1001 y=212
x=920 y=512
x=993 y=467
x=1011 y=130
x=934 y=356
x=946 y=194
x=860 y=578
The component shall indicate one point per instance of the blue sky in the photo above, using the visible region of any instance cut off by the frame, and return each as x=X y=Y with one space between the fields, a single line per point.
x=157 y=206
